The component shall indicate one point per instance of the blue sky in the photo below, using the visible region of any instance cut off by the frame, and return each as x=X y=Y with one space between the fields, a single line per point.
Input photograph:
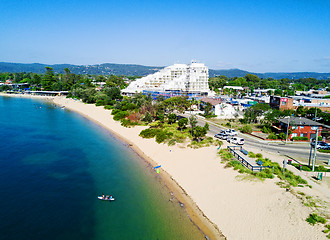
x=253 y=35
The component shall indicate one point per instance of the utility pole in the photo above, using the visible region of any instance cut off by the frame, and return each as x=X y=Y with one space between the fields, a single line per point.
x=310 y=155
x=315 y=148
x=287 y=131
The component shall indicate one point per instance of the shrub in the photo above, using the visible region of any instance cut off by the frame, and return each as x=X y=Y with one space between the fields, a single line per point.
x=259 y=155
x=108 y=107
x=99 y=103
x=147 y=117
x=160 y=137
x=225 y=155
x=128 y=123
x=114 y=111
x=120 y=115
x=272 y=136
x=246 y=129
x=252 y=155
x=314 y=218
x=300 y=138
x=149 y=132
x=129 y=106
x=282 y=136
x=266 y=130
x=171 y=118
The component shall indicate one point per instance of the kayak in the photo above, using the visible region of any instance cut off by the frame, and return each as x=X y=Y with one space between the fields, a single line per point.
x=106 y=198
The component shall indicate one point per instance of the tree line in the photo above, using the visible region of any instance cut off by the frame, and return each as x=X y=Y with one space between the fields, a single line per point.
x=283 y=87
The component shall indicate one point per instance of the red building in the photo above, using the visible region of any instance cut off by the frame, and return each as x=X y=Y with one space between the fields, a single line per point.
x=281 y=103
x=300 y=127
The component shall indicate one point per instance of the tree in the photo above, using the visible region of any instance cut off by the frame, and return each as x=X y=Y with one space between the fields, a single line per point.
x=192 y=122
x=207 y=109
x=48 y=79
x=171 y=118
x=200 y=132
x=254 y=112
x=301 y=111
x=182 y=123
x=112 y=92
x=147 y=117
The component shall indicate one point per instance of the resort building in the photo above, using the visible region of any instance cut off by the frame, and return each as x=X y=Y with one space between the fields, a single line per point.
x=182 y=78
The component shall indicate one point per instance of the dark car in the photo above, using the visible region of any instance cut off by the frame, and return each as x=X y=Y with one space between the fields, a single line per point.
x=218 y=135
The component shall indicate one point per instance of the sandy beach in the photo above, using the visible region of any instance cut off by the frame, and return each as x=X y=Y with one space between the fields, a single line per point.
x=220 y=201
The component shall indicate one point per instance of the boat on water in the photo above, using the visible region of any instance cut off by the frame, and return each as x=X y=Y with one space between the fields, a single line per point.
x=106 y=197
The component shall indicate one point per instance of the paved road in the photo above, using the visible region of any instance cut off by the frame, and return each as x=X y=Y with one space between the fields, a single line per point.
x=297 y=151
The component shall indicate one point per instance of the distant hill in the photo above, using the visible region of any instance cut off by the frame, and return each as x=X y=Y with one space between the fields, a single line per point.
x=279 y=75
x=140 y=70
x=106 y=68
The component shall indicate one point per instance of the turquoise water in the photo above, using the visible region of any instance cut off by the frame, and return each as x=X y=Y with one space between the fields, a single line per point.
x=53 y=165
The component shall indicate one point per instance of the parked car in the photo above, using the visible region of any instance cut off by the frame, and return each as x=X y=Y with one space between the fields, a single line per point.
x=231 y=132
x=224 y=136
x=237 y=140
x=219 y=135
x=320 y=145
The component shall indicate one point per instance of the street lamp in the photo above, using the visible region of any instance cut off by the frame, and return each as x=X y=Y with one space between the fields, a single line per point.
x=287 y=130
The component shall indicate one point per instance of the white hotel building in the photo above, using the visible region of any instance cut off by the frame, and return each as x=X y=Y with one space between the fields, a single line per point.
x=185 y=78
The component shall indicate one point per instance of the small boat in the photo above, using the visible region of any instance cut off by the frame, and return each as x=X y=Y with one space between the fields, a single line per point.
x=106 y=198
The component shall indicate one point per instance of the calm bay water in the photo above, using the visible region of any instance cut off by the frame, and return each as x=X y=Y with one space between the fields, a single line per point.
x=54 y=163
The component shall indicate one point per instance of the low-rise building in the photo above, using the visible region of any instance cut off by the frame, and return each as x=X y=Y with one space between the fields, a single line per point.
x=300 y=127
x=221 y=109
x=281 y=103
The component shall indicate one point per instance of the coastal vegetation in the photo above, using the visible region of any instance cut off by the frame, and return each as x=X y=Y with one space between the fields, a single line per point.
x=273 y=168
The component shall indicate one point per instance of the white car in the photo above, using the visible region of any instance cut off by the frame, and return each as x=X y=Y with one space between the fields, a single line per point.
x=237 y=140
x=231 y=132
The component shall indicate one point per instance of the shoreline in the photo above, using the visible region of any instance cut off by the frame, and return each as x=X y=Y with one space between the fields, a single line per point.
x=194 y=213
x=214 y=197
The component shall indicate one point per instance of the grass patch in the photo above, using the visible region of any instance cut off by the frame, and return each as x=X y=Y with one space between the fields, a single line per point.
x=314 y=218
x=324 y=150
x=309 y=169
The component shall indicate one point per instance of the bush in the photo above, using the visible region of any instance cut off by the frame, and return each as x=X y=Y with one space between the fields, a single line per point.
x=259 y=155
x=246 y=129
x=282 y=136
x=108 y=107
x=128 y=106
x=266 y=129
x=300 y=138
x=272 y=136
x=160 y=137
x=114 y=111
x=149 y=132
x=252 y=155
x=120 y=115
x=128 y=123
x=314 y=218
x=225 y=155
x=99 y=103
